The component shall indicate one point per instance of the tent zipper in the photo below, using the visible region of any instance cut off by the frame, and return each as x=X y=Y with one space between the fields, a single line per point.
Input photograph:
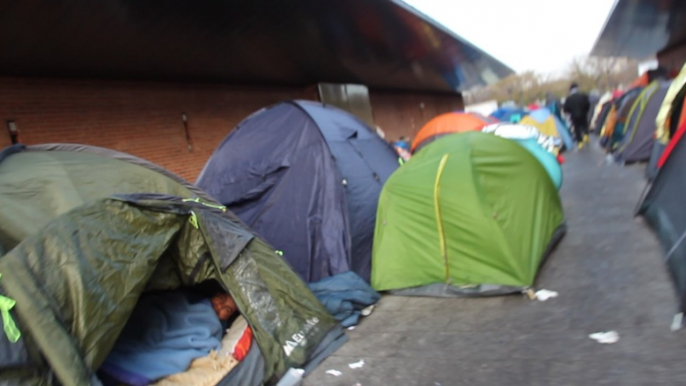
x=439 y=221
x=369 y=166
x=207 y=204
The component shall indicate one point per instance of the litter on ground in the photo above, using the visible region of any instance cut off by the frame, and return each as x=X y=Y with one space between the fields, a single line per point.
x=367 y=310
x=677 y=322
x=357 y=365
x=608 y=337
x=333 y=372
x=545 y=294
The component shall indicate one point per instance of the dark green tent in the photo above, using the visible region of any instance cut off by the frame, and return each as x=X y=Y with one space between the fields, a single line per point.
x=76 y=263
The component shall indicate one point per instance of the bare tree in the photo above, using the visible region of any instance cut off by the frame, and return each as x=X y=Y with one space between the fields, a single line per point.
x=591 y=73
x=602 y=73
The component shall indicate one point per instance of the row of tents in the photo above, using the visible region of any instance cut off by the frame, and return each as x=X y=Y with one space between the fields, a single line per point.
x=297 y=192
x=646 y=124
x=636 y=125
x=662 y=138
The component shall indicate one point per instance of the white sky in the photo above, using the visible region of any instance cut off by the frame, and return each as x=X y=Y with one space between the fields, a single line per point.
x=540 y=35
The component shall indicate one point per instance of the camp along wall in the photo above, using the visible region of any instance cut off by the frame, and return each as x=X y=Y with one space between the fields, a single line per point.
x=400 y=113
x=145 y=118
x=140 y=118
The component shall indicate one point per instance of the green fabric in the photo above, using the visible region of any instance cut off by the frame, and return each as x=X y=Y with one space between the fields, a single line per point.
x=498 y=211
x=11 y=331
x=37 y=186
x=78 y=279
x=77 y=262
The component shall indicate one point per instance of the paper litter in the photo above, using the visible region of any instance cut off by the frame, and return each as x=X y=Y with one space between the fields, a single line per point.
x=608 y=337
x=367 y=310
x=677 y=322
x=333 y=372
x=545 y=294
x=356 y=365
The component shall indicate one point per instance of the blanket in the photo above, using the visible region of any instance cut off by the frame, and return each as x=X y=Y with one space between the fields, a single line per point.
x=344 y=296
x=210 y=370
x=164 y=334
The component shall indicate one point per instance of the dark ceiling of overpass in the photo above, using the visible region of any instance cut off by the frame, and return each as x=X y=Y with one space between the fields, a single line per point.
x=641 y=28
x=380 y=43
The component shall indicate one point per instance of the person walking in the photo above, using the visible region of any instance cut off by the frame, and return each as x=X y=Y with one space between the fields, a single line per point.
x=577 y=105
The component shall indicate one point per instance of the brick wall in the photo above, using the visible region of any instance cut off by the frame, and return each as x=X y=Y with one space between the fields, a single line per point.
x=404 y=113
x=140 y=118
x=144 y=118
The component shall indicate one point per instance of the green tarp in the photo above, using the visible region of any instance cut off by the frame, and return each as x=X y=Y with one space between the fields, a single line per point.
x=76 y=264
x=39 y=183
x=469 y=210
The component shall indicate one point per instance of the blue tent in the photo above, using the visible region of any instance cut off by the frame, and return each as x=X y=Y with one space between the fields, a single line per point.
x=306 y=177
x=555 y=108
x=547 y=159
x=530 y=139
x=509 y=114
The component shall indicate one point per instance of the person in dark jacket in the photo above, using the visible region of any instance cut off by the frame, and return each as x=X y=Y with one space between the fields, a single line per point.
x=577 y=106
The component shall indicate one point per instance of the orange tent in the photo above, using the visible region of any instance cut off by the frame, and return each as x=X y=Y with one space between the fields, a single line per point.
x=682 y=117
x=446 y=124
x=641 y=81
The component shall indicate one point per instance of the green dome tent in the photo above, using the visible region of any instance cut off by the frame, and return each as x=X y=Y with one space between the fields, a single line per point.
x=471 y=213
x=76 y=262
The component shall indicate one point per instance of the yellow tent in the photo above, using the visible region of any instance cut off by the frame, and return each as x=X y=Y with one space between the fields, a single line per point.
x=662 y=120
x=547 y=124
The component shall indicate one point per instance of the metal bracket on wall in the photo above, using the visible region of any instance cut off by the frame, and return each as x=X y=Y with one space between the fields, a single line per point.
x=14 y=134
x=187 y=133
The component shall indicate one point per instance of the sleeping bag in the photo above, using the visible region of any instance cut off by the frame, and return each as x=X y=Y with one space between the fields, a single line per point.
x=164 y=334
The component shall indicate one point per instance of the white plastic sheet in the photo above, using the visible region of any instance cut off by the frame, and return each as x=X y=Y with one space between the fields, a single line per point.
x=606 y=337
x=357 y=365
x=545 y=294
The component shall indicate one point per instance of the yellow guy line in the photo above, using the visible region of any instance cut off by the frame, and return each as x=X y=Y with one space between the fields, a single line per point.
x=441 y=233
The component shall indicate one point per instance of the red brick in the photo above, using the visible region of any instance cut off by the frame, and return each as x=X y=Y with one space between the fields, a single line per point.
x=404 y=113
x=144 y=118
x=140 y=118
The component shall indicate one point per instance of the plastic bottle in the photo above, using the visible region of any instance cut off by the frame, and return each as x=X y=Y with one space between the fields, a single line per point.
x=293 y=377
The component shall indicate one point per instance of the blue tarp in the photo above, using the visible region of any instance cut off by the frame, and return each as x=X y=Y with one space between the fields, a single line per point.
x=344 y=296
x=509 y=114
x=306 y=177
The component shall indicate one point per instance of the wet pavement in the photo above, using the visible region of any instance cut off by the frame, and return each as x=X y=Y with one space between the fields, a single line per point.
x=609 y=273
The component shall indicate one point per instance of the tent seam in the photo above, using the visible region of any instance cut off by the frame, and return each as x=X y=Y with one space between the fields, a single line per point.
x=439 y=222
